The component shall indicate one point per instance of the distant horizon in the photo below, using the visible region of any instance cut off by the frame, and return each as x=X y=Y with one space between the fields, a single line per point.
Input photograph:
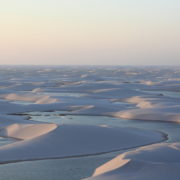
x=54 y=65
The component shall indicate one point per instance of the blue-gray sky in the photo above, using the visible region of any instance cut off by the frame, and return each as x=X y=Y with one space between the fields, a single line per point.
x=123 y=32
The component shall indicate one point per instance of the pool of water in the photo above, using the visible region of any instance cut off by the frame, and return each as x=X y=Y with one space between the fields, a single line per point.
x=76 y=168
x=57 y=169
x=61 y=117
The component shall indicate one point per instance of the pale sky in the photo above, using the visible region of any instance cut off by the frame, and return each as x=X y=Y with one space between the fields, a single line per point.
x=65 y=32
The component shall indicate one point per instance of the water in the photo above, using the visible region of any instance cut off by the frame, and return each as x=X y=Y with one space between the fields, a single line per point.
x=61 y=117
x=76 y=168
x=62 y=82
x=64 y=169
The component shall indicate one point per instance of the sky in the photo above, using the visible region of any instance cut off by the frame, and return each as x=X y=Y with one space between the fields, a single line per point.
x=90 y=32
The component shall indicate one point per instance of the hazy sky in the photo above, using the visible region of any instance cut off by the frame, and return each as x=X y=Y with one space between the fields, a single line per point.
x=124 y=32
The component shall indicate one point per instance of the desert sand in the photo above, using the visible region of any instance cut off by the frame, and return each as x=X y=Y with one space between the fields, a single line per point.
x=131 y=94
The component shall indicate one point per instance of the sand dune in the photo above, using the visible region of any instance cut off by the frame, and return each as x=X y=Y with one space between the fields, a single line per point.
x=140 y=102
x=161 y=161
x=149 y=114
x=26 y=131
x=135 y=93
x=21 y=128
x=70 y=140
x=36 y=90
x=38 y=99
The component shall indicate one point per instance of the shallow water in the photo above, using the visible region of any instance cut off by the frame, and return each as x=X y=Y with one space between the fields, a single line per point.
x=58 y=169
x=17 y=79
x=61 y=117
x=76 y=168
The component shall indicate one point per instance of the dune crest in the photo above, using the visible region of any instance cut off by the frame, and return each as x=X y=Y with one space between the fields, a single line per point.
x=148 y=114
x=26 y=131
x=159 y=161
x=140 y=102
x=37 y=99
x=41 y=141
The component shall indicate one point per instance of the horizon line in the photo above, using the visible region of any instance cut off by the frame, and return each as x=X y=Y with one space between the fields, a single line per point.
x=88 y=65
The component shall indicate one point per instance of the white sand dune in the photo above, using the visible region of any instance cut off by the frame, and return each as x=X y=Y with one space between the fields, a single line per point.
x=38 y=99
x=150 y=108
x=36 y=90
x=137 y=93
x=26 y=131
x=149 y=114
x=81 y=108
x=70 y=140
x=114 y=92
x=149 y=83
x=141 y=102
x=103 y=90
x=20 y=128
x=161 y=161
x=46 y=100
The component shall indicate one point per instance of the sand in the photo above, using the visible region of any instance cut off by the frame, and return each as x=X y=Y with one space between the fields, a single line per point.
x=128 y=93
x=160 y=161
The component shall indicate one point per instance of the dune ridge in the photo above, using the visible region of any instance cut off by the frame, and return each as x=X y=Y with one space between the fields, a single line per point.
x=42 y=140
x=158 y=161
x=26 y=131
x=35 y=98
